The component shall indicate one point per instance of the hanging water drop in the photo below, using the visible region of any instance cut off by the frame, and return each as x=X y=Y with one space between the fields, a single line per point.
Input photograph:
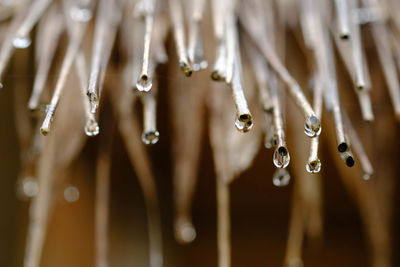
x=243 y=124
x=313 y=166
x=144 y=83
x=22 y=42
x=312 y=127
x=92 y=128
x=281 y=177
x=281 y=157
x=71 y=193
x=151 y=137
x=81 y=14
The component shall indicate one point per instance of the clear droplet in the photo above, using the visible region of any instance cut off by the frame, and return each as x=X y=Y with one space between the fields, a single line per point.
x=22 y=42
x=187 y=70
x=281 y=157
x=312 y=127
x=244 y=124
x=217 y=76
x=281 y=177
x=30 y=187
x=186 y=232
x=81 y=14
x=144 y=83
x=92 y=128
x=201 y=65
x=313 y=166
x=71 y=193
x=366 y=176
x=151 y=137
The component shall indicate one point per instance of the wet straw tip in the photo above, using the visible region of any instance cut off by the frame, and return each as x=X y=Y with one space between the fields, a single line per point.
x=187 y=70
x=44 y=130
x=185 y=232
x=313 y=166
x=150 y=137
x=345 y=36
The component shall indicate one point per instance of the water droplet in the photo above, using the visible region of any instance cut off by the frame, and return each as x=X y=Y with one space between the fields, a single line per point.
x=94 y=102
x=81 y=14
x=281 y=177
x=30 y=187
x=21 y=42
x=144 y=83
x=217 y=76
x=201 y=65
x=244 y=123
x=151 y=137
x=366 y=176
x=44 y=130
x=187 y=70
x=92 y=128
x=281 y=157
x=313 y=166
x=185 y=231
x=71 y=193
x=312 y=127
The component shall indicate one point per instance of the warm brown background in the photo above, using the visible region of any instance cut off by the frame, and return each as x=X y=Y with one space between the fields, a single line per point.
x=260 y=211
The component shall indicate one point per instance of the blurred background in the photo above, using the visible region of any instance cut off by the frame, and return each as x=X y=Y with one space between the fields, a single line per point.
x=260 y=212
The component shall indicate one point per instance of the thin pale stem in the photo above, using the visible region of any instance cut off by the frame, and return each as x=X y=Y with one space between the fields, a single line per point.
x=224 y=225
x=342 y=14
x=52 y=28
x=176 y=15
x=36 y=10
x=108 y=19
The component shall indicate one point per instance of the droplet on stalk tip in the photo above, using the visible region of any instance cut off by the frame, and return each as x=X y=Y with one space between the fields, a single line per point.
x=71 y=193
x=244 y=123
x=29 y=187
x=81 y=14
x=281 y=157
x=312 y=127
x=92 y=128
x=151 y=137
x=313 y=166
x=185 y=232
x=187 y=70
x=281 y=177
x=22 y=42
x=144 y=83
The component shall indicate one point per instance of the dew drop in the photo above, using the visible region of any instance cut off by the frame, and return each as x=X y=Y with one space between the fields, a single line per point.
x=186 y=232
x=92 y=128
x=366 y=176
x=281 y=177
x=312 y=127
x=21 y=42
x=313 y=166
x=151 y=137
x=281 y=157
x=80 y=14
x=243 y=125
x=30 y=187
x=144 y=83
x=71 y=193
